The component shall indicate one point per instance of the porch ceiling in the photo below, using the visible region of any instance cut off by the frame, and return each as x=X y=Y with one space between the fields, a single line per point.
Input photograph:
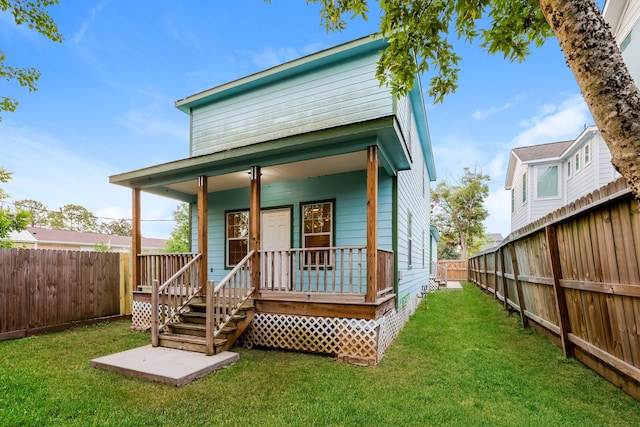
x=297 y=170
x=331 y=151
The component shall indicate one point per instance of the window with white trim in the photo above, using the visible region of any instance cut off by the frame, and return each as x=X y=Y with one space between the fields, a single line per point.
x=524 y=188
x=569 y=168
x=236 y=237
x=317 y=232
x=587 y=154
x=513 y=200
x=576 y=159
x=547 y=181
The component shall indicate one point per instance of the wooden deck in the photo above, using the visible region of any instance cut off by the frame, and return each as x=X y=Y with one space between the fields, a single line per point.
x=323 y=305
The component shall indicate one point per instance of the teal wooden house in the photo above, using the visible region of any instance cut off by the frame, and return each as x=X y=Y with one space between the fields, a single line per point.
x=309 y=192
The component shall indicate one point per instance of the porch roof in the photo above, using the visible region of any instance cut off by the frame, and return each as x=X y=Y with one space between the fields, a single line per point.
x=335 y=150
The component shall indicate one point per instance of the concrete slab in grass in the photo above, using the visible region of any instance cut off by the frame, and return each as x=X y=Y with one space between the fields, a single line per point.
x=164 y=365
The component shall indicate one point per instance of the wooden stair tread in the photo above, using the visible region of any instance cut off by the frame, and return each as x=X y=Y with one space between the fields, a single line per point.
x=190 y=339
x=188 y=325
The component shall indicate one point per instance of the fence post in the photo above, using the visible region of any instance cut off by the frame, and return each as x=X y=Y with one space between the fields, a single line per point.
x=561 y=299
x=505 y=288
x=155 y=300
x=495 y=275
x=516 y=273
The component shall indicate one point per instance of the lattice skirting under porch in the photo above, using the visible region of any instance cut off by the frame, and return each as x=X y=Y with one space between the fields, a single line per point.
x=356 y=341
x=392 y=324
x=141 y=315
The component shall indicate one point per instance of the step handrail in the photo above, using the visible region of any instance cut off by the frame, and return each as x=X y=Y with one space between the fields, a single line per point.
x=226 y=299
x=172 y=312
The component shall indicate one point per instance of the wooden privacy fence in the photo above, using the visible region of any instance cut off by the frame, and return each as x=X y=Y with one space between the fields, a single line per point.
x=457 y=269
x=575 y=276
x=43 y=290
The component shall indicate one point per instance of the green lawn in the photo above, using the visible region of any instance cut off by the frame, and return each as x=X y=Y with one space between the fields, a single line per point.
x=464 y=361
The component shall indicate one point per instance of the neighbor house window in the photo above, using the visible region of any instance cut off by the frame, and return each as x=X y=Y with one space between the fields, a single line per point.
x=236 y=236
x=547 y=181
x=317 y=232
x=524 y=188
x=513 y=200
x=587 y=154
x=569 y=168
x=576 y=159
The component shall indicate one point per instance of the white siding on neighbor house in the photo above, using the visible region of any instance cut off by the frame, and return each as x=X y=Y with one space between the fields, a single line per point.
x=339 y=94
x=520 y=214
x=412 y=200
x=606 y=172
x=581 y=181
x=593 y=175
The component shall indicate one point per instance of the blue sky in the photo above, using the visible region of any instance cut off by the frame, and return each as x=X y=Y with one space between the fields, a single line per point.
x=105 y=103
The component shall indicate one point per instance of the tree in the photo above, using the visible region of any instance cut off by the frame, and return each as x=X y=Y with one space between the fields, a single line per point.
x=119 y=227
x=10 y=221
x=459 y=211
x=73 y=218
x=179 y=238
x=418 y=32
x=37 y=210
x=33 y=14
x=448 y=250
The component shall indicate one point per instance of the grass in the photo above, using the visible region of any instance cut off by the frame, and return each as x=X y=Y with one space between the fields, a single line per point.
x=464 y=361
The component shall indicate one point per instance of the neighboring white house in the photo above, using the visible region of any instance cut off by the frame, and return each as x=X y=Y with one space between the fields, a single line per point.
x=545 y=177
x=623 y=16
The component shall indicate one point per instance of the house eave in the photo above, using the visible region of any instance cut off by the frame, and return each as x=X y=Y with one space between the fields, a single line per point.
x=382 y=132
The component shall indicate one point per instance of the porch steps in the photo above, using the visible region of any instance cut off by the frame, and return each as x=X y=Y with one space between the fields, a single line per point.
x=189 y=333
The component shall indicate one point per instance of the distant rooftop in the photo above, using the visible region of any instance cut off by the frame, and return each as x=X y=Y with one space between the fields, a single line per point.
x=542 y=151
x=39 y=235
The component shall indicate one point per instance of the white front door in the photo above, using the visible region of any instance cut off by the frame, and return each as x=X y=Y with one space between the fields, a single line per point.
x=275 y=238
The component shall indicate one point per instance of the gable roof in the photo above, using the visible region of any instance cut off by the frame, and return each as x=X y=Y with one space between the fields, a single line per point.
x=542 y=151
x=549 y=152
x=178 y=179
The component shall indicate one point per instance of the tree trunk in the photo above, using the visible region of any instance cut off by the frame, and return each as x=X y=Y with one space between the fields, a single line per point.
x=607 y=87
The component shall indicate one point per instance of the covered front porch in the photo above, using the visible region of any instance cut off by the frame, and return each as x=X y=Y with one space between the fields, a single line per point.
x=350 y=283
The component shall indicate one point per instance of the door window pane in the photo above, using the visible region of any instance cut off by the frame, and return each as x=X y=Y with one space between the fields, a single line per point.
x=237 y=237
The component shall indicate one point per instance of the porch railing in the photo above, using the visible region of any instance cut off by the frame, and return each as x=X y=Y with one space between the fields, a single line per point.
x=340 y=270
x=385 y=273
x=171 y=297
x=162 y=267
x=226 y=298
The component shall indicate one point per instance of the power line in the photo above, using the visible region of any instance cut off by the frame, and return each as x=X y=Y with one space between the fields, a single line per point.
x=47 y=211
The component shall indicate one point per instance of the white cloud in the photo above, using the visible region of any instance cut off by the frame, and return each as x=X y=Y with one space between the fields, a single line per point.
x=272 y=56
x=555 y=123
x=45 y=171
x=147 y=123
x=498 y=203
x=483 y=114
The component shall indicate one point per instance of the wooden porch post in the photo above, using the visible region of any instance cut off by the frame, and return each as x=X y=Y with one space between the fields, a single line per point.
x=203 y=228
x=372 y=224
x=136 y=240
x=254 y=226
